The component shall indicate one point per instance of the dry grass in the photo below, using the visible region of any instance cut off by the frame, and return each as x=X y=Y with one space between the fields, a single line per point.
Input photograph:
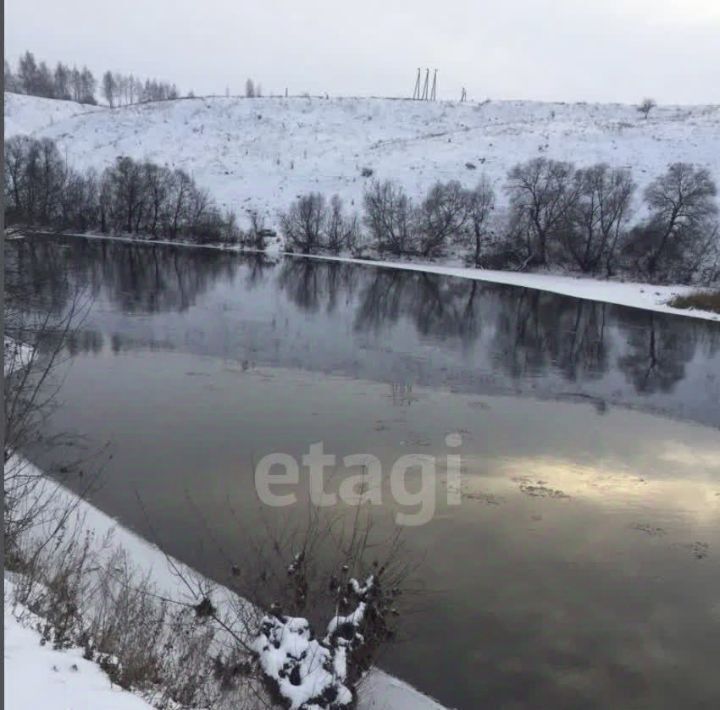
x=83 y=591
x=701 y=300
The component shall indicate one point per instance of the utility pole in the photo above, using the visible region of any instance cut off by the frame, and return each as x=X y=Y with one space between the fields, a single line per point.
x=433 y=93
x=416 y=91
x=425 y=85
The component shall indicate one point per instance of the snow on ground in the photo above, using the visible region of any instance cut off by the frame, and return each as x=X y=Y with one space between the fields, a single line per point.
x=263 y=152
x=28 y=114
x=41 y=678
x=379 y=690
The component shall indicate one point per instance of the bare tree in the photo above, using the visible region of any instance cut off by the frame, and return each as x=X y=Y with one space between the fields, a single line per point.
x=480 y=203
x=249 y=89
x=61 y=81
x=11 y=81
x=109 y=88
x=126 y=185
x=180 y=185
x=258 y=230
x=304 y=223
x=35 y=176
x=27 y=73
x=440 y=216
x=388 y=216
x=596 y=220
x=341 y=232
x=76 y=84
x=541 y=193
x=157 y=184
x=681 y=225
x=645 y=106
x=45 y=85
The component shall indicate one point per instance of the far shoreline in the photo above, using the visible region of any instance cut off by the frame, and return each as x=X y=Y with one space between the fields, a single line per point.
x=644 y=296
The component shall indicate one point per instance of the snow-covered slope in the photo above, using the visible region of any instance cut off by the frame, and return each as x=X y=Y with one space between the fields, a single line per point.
x=263 y=152
x=38 y=676
x=28 y=114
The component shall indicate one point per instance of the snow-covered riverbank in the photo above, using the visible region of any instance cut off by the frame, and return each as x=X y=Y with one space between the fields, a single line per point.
x=38 y=676
x=81 y=684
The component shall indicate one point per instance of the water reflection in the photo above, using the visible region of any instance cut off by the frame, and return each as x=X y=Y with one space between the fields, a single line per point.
x=421 y=328
x=581 y=569
x=658 y=355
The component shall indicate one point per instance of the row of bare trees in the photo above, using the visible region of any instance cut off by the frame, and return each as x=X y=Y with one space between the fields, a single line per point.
x=556 y=215
x=561 y=215
x=130 y=197
x=72 y=84
x=122 y=90
x=38 y=79
x=312 y=224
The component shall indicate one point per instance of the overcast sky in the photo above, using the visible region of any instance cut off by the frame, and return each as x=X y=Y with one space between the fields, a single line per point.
x=566 y=50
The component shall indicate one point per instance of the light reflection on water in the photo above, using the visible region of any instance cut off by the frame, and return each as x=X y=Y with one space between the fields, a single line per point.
x=582 y=567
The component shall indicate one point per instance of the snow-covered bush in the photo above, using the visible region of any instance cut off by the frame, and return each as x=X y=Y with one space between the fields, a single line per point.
x=328 y=605
x=310 y=672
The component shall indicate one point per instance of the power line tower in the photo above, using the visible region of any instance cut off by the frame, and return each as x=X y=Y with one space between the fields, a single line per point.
x=416 y=91
x=433 y=93
x=463 y=95
x=425 y=85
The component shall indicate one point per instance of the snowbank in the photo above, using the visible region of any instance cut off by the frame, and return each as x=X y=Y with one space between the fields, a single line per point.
x=379 y=691
x=263 y=152
x=37 y=676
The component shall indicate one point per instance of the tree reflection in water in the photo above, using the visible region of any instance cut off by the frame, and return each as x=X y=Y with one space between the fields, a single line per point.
x=429 y=328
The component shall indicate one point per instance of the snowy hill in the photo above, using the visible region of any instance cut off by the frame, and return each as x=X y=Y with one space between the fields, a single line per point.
x=28 y=114
x=263 y=152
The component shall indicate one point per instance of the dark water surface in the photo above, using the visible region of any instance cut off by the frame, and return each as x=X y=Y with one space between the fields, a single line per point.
x=582 y=568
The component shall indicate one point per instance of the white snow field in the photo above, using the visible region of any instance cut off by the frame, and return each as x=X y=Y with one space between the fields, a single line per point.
x=26 y=114
x=261 y=153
